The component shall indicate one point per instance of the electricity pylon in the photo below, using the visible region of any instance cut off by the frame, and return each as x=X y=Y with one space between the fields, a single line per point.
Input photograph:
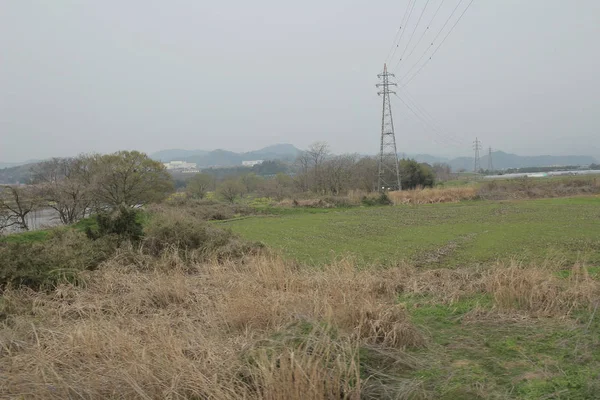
x=389 y=169
x=477 y=148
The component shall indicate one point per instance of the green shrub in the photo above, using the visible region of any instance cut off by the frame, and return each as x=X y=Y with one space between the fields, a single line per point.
x=381 y=200
x=62 y=256
x=122 y=222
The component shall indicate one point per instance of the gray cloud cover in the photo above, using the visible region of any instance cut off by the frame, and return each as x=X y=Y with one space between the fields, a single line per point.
x=82 y=76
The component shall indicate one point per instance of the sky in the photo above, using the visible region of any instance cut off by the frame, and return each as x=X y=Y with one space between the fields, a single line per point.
x=101 y=76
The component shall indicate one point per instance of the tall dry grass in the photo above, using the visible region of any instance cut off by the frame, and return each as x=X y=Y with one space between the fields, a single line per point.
x=434 y=195
x=255 y=328
x=222 y=330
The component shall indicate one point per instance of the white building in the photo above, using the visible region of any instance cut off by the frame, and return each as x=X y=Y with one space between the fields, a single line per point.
x=251 y=163
x=180 y=165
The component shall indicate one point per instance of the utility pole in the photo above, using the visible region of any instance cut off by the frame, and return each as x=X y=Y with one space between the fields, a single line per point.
x=477 y=148
x=389 y=169
x=490 y=162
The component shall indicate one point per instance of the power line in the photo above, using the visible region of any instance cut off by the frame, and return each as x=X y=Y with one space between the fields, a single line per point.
x=413 y=33
x=427 y=124
x=433 y=41
x=426 y=29
x=405 y=25
x=396 y=41
x=427 y=114
x=440 y=45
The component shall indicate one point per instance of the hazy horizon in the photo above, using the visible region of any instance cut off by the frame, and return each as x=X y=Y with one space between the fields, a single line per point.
x=105 y=76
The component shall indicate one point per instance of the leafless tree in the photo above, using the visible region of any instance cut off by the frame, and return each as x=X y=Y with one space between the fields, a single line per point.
x=303 y=166
x=199 y=185
x=230 y=190
x=364 y=176
x=442 y=172
x=317 y=154
x=65 y=185
x=16 y=203
x=337 y=173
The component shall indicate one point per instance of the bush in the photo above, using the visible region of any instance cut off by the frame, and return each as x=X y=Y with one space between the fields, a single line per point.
x=41 y=265
x=192 y=237
x=382 y=200
x=122 y=223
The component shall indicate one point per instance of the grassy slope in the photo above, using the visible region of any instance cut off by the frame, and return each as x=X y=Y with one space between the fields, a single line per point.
x=440 y=234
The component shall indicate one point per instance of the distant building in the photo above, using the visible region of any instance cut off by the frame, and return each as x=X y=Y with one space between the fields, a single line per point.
x=180 y=165
x=252 y=163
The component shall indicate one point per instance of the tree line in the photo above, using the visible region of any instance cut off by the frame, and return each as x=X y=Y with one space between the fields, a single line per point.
x=77 y=187
x=315 y=171
x=80 y=186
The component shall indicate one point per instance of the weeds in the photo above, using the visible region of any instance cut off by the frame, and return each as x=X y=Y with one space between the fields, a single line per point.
x=434 y=195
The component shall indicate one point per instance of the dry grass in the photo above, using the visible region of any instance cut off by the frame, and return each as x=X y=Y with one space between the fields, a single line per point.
x=172 y=333
x=255 y=328
x=434 y=195
x=533 y=290
x=527 y=188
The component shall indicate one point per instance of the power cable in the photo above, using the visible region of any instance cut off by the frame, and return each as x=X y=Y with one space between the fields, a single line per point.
x=426 y=29
x=427 y=124
x=428 y=115
x=433 y=41
x=413 y=33
x=405 y=25
x=396 y=41
x=440 y=45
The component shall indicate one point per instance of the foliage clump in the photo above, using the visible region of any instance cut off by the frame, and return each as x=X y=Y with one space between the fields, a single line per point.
x=41 y=265
x=122 y=223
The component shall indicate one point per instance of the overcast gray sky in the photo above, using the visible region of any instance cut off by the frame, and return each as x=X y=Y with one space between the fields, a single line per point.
x=84 y=76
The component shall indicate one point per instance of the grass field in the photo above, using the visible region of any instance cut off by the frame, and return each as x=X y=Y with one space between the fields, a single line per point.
x=436 y=235
x=480 y=344
x=470 y=300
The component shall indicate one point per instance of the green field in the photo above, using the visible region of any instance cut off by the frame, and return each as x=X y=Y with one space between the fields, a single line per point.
x=436 y=235
x=474 y=350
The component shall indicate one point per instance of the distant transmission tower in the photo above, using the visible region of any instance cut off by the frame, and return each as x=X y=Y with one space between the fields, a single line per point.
x=477 y=148
x=389 y=170
x=490 y=162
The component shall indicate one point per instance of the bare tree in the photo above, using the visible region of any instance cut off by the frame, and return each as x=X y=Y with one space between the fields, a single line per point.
x=16 y=203
x=442 y=172
x=199 y=185
x=364 y=176
x=317 y=154
x=337 y=173
x=303 y=165
x=65 y=185
x=230 y=190
x=278 y=187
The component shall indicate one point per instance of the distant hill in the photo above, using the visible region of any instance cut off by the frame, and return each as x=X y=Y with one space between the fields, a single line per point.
x=273 y=152
x=176 y=154
x=502 y=160
x=429 y=159
x=17 y=164
x=18 y=174
x=224 y=158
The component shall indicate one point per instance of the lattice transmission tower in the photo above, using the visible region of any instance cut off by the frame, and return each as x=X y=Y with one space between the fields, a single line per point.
x=389 y=169
x=490 y=162
x=477 y=148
